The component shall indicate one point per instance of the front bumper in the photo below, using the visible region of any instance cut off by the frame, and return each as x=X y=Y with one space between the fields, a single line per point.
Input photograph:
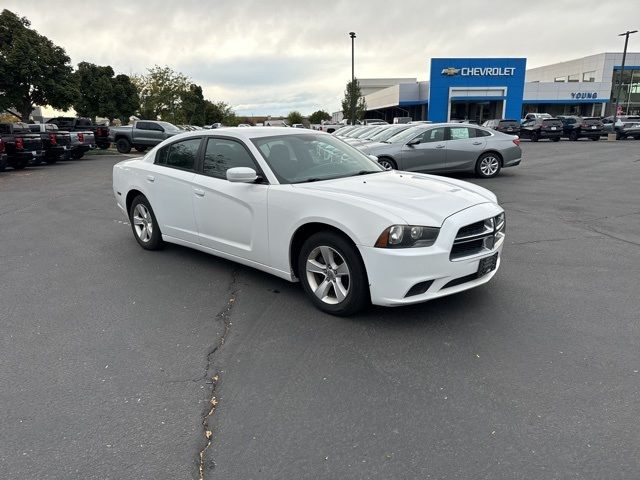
x=393 y=272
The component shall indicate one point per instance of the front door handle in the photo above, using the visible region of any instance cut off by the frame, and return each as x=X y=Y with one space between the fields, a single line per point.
x=198 y=192
x=439 y=146
x=477 y=143
x=151 y=178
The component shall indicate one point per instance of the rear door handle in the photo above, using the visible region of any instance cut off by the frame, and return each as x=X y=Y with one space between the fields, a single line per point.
x=198 y=192
x=151 y=178
x=439 y=146
x=477 y=143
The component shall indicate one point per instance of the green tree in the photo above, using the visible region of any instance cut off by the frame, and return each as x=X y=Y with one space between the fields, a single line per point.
x=161 y=92
x=33 y=70
x=95 y=91
x=125 y=97
x=220 y=112
x=192 y=106
x=294 y=117
x=318 y=116
x=353 y=103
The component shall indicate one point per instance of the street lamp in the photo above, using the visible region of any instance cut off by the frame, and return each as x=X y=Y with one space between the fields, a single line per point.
x=624 y=57
x=353 y=77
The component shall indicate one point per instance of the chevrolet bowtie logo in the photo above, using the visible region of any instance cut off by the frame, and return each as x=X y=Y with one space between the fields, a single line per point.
x=450 y=71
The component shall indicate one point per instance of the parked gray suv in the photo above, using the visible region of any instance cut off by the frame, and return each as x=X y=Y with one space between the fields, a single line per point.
x=448 y=147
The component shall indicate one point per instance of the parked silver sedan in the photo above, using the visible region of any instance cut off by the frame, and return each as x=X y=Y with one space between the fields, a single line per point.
x=448 y=147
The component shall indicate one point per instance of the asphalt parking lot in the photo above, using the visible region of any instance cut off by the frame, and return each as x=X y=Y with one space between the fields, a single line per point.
x=108 y=351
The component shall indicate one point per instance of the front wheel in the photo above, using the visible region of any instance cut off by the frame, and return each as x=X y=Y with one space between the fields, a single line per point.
x=534 y=137
x=333 y=274
x=573 y=136
x=144 y=224
x=488 y=165
x=387 y=163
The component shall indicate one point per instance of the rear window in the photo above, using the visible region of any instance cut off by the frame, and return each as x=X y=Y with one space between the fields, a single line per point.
x=21 y=128
x=553 y=121
x=509 y=123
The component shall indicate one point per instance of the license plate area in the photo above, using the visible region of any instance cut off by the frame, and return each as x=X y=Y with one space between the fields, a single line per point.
x=487 y=265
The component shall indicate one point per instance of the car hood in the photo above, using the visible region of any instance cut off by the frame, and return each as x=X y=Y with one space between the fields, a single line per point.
x=373 y=147
x=417 y=198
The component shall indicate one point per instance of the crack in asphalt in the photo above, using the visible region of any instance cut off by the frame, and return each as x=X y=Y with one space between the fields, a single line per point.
x=224 y=316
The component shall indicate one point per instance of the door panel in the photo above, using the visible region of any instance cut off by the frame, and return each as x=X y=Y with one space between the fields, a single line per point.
x=428 y=155
x=463 y=148
x=231 y=217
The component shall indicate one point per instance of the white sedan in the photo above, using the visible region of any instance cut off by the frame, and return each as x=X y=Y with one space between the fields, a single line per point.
x=304 y=206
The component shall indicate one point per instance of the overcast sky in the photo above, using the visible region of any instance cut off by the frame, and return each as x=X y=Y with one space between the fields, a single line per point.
x=271 y=57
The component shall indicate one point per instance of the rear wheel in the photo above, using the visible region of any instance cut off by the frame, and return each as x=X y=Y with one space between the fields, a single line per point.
x=52 y=160
x=387 y=163
x=488 y=165
x=620 y=136
x=534 y=136
x=18 y=164
x=573 y=136
x=595 y=139
x=556 y=139
x=123 y=145
x=144 y=224
x=77 y=155
x=333 y=274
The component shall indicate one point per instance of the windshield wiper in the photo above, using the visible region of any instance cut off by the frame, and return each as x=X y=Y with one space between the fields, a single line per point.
x=365 y=172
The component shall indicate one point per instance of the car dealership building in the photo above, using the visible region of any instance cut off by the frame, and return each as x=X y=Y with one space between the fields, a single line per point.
x=479 y=89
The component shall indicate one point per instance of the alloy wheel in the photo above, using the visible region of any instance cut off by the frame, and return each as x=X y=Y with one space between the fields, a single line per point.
x=489 y=166
x=328 y=275
x=142 y=222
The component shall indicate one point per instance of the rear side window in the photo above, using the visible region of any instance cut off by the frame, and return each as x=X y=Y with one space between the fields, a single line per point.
x=222 y=154
x=460 y=133
x=143 y=125
x=480 y=133
x=552 y=122
x=180 y=155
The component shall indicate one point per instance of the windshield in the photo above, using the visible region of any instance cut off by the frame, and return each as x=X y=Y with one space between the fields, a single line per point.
x=312 y=157
x=373 y=132
x=169 y=127
x=406 y=135
x=388 y=132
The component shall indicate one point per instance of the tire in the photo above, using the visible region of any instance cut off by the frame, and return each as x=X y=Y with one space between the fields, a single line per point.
x=104 y=146
x=556 y=139
x=123 y=145
x=140 y=148
x=619 y=136
x=595 y=139
x=77 y=155
x=52 y=160
x=488 y=165
x=387 y=163
x=573 y=135
x=144 y=224
x=534 y=137
x=330 y=248
x=18 y=164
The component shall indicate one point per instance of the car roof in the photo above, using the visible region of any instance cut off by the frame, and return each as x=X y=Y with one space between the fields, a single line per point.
x=251 y=132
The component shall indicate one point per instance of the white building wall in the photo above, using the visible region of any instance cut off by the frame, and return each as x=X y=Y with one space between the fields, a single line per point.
x=562 y=91
x=601 y=63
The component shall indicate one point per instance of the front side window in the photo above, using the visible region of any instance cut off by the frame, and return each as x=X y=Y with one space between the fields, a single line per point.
x=222 y=154
x=308 y=158
x=180 y=155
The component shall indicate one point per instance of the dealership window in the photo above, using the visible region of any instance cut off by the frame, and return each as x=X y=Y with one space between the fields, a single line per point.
x=589 y=76
x=560 y=79
x=574 y=78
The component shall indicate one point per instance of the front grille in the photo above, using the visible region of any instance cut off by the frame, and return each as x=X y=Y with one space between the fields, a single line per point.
x=478 y=237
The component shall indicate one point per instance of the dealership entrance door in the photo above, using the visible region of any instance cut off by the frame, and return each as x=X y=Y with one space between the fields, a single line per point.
x=476 y=111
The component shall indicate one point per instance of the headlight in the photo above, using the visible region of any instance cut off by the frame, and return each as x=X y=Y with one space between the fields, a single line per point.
x=407 y=236
x=500 y=223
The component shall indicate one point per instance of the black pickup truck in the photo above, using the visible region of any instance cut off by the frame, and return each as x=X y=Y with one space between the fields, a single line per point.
x=3 y=156
x=22 y=147
x=56 y=143
x=73 y=124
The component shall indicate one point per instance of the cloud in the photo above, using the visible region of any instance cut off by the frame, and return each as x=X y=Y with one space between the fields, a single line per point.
x=269 y=57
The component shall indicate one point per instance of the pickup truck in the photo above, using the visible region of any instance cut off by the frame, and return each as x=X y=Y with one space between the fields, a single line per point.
x=141 y=135
x=3 y=157
x=22 y=147
x=55 y=143
x=327 y=127
x=84 y=125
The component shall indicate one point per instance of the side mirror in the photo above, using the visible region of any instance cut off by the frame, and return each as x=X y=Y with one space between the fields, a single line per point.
x=242 y=175
x=373 y=157
x=415 y=141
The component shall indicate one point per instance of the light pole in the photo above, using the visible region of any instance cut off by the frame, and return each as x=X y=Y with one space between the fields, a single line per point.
x=353 y=77
x=624 y=57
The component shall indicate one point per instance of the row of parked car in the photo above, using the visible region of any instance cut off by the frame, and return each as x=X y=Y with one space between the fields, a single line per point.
x=538 y=126
x=61 y=138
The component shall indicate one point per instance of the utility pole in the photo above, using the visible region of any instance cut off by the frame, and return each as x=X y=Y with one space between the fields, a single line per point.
x=624 y=57
x=353 y=78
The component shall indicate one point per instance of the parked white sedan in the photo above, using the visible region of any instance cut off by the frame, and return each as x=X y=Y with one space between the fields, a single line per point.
x=305 y=206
